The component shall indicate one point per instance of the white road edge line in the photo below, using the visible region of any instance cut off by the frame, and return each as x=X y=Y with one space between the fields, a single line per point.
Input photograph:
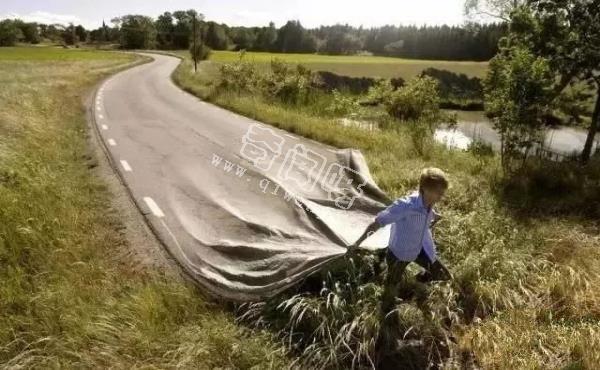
x=154 y=207
x=126 y=165
x=104 y=127
x=112 y=142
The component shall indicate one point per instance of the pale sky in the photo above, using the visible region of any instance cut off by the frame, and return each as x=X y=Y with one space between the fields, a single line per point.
x=311 y=13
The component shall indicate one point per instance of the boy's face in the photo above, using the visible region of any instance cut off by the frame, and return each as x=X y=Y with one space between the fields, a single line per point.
x=434 y=194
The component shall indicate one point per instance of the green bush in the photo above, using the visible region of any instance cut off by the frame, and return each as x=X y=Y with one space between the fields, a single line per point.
x=416 y=100
x=200 y=50
x=240 y=77
x=289 y=84
x=9 y=32
x=518 y=92
x=343 y=105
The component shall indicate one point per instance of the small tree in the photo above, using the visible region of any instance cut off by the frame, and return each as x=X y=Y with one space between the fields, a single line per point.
x=216 y=37
x=137 y=32
x=69 y=36
x=198 y=48
x=416 y=104
x=9 y=32
x=418 y=99
x=518 y=90
x=566 y=32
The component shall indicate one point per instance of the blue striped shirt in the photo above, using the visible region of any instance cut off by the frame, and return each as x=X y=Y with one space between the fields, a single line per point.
x=410 y=230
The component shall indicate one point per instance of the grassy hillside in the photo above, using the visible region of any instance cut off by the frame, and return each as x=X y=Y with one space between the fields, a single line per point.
x=68 y=296
x=526 y=262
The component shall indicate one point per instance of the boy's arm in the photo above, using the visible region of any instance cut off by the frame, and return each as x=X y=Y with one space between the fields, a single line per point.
x=373 y=227
x=385 y=217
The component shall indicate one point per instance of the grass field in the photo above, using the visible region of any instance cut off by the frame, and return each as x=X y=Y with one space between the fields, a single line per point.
x=53 y=53
x=355 y=66
x=68 y=296
x=526 y=266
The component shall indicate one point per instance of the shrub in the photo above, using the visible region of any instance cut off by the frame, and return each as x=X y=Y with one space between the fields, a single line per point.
x=416 y=100
x=9 y=32
x=200 y=51
x=289 y=84
x=343 y=105
x=517 y=93
x=240 y=76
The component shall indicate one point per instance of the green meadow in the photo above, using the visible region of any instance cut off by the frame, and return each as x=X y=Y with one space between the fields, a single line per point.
x=53 y=53
x=354 y=65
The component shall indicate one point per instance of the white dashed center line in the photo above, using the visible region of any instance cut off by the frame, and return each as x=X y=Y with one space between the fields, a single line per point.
x=112 y=142
x=104 y=127
x=100 y=116
x=126 y=166
x=154 y=207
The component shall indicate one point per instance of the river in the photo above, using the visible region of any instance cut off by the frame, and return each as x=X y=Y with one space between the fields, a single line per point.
x=475 y=126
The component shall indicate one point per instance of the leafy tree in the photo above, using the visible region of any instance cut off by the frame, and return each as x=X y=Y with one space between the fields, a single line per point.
x=244 y=38
x=293 y=38
x=105 y=33
x=69 y=36
x=500 y=9
x=469 y=42
x=518 y=91
x=30 y=32
x=216 y=38
x=9 y=32
x=199 y=50
x=340 y=40
x=182 y=34
x=81 y=33
x=418 y=99
x=137 y=32
x=566 y=32
x=51 y=32
x=266 y=38
x=165 y=28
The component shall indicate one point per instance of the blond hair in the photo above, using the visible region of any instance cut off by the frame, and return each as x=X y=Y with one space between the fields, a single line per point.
x=433 y=177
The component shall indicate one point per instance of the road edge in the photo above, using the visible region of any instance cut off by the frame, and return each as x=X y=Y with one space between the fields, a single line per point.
x=142 y=238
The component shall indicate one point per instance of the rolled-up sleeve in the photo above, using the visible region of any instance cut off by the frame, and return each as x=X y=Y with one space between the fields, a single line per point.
x=392 y=213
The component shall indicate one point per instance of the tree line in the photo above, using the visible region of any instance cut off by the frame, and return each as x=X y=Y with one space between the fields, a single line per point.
x=173 y=30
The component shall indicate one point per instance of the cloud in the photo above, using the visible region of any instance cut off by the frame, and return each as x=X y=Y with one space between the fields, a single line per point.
x=50 y=18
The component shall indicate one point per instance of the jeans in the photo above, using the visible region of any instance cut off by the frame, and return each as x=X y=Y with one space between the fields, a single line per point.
x=434 y=271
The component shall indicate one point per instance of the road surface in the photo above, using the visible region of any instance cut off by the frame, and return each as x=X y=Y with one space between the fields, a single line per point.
x=246 y=209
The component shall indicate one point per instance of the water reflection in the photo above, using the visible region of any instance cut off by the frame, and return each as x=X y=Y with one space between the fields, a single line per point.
x=475 y=126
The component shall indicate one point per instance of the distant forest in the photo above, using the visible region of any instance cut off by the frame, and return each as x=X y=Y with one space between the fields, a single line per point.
x=173 y=30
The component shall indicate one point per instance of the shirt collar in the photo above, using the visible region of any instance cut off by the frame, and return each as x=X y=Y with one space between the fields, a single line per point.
x=420 y=202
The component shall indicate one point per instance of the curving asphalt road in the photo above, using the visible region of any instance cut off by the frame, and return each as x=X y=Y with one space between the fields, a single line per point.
x=247 y=210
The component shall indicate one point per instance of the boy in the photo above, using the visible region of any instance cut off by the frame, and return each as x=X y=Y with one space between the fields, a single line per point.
x=410 y=236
